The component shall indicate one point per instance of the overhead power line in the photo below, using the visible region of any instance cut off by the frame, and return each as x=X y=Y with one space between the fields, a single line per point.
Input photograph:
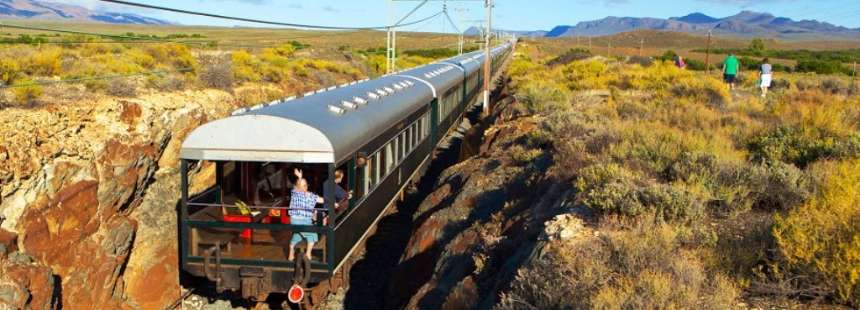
x=265 y=22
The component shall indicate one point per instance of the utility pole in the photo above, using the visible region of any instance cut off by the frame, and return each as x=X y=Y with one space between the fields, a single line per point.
x=641 y=46
x=389 y=46
x=489 y=5
x=608 y=47
x=708 y=54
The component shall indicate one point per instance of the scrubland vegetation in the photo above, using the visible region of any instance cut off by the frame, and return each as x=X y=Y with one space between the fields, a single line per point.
x=699 y=197
x=46 y=68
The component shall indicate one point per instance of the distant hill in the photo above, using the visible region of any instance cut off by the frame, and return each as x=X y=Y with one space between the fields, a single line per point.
x=744 y=24
x=35 y=9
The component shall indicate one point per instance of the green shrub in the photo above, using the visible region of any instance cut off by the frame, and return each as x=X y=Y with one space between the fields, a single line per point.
x=612 y=189
x=796 y=145
x=819 y=66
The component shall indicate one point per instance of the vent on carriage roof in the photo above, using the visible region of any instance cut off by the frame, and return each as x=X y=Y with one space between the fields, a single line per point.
x=410 y=82
x=239 y=111
x=397 y=86
x=336 y=110
x=381 y=92
x=359 y=100
x=348 y=104
x=388 y=89
x=308 y=93
x=372 y=95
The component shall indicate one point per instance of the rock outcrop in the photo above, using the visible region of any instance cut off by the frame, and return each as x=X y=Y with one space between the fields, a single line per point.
x=89 y=191
x=482 y=221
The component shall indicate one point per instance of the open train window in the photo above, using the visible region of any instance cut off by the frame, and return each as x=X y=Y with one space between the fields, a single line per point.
x=415 y=134
x=377 y=168
x=401 y=146
x=387 y=159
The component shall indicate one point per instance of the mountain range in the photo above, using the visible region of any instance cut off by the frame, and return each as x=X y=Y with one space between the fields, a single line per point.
x=743 y=24
x=35 y=9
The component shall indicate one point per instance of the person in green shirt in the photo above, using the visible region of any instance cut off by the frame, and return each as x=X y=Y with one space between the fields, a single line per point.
x=731 y=67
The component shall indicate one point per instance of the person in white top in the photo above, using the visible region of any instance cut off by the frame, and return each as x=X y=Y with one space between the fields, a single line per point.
x=766 y=74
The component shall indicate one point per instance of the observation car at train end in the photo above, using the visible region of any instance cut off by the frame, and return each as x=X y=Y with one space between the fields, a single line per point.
x=376 y=135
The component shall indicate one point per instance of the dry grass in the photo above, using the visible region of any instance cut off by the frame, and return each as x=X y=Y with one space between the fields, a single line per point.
x=654 y=143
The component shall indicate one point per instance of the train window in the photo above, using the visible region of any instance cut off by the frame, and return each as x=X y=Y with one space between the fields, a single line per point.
x=374 y=171
x=413 y=134
x=387 y=158
x=395 y=151
x=402 y=144
x=417 y=132
x=407 y=137
x=364 y=180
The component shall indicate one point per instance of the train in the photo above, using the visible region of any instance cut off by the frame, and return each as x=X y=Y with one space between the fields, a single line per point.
x=371 y=138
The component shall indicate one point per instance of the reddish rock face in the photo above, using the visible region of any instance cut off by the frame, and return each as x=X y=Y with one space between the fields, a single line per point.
x=32 y=286
x=85 y=252
x=9 y=241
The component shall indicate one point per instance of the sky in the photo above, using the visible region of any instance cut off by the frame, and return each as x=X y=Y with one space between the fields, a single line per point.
x=508 y=14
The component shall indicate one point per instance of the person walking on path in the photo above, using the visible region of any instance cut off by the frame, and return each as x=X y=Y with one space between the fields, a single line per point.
x=765 y=76
x=679 y=62
x=731 y=68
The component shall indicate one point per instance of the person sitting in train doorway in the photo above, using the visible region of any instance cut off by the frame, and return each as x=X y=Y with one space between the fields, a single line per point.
x=302 y=205
x=341 y=196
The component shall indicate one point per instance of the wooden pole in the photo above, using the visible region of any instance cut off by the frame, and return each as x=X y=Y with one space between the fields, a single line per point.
x=608 y=47
x=708 y=54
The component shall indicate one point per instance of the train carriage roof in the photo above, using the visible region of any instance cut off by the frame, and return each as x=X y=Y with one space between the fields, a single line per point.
x=319 y=128
x=442 y=76
x=465 y=61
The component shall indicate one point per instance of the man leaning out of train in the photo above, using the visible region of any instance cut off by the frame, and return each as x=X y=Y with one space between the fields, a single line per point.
x=302 y=205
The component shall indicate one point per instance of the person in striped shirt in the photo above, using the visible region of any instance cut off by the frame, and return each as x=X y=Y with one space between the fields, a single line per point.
x=302 y=205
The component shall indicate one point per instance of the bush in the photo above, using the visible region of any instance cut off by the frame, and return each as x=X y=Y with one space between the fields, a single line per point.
x=836 y=86
x=737 y=187
x=245 y=67
x=612 y=189
x=122 y=87
x=45 y=62
x=28 y=94
x=797 y=145
x=819 y=240
x=170 y=82
x=9 y=70
x=645 y=267
x=641 y=60
x=571 y=55
x=217 y=72
x=819 y=66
